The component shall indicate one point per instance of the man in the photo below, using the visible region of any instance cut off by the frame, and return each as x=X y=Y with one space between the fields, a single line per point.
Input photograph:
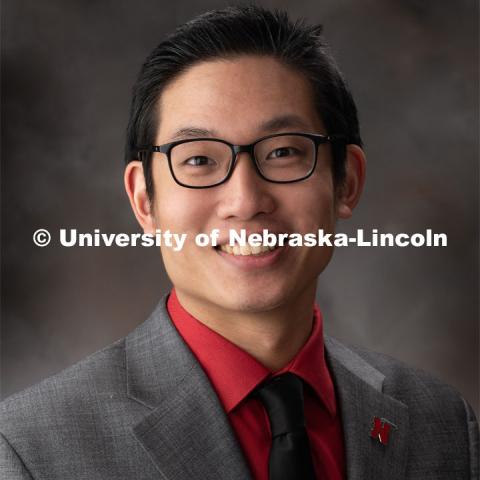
x=240 y=120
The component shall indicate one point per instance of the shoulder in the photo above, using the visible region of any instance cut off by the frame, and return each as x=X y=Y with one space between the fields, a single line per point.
x=429 y=399
x=403 y=382
x=82 y=416
x=438 y=414
x=412 y=386
x=432 y=418
x=95 y=379
x=77 y=423
x=91 y=396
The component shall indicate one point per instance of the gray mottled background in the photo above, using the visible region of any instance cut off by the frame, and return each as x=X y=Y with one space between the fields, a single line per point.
x=67 y=70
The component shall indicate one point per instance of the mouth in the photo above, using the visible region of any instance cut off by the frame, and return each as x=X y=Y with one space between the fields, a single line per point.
x=245 y=250
x=250 y=258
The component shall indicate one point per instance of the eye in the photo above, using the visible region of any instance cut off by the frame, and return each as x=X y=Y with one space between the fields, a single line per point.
x=199 y=161
x=282 y=152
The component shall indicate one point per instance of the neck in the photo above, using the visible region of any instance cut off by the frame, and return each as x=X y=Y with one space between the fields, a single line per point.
x=272 y=337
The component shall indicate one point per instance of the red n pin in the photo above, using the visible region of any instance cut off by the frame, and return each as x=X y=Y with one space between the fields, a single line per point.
x=381 y=430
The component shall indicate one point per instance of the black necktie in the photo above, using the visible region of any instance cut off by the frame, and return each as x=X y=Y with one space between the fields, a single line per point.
x=290 y=457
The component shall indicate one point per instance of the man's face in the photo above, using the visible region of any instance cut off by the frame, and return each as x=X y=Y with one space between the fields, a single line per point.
x=233 y=99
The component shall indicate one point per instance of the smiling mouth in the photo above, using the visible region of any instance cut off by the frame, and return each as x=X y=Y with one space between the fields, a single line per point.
x=245 y=250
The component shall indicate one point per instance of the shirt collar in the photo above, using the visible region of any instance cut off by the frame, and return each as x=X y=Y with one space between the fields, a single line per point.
x=234 y=373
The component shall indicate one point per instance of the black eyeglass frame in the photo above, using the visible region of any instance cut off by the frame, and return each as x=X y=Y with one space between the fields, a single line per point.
x=316 y=138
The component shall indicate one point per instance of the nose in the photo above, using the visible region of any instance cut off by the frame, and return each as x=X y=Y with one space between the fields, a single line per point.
x=245 y=195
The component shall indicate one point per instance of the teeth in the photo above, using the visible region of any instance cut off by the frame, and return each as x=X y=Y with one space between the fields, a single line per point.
x=245 y=249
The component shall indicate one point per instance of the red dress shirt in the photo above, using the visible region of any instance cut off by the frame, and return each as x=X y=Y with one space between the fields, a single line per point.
x=234 y=373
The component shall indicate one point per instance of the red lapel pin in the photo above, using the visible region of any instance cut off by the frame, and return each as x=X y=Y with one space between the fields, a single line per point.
x=381 y=430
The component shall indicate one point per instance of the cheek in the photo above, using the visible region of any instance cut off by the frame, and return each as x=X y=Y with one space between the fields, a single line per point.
x=178 y=212
x=312 y=206
x=175 y=213
x=175 y=208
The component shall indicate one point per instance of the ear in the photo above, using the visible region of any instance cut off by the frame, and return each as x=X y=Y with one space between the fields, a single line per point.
x=134 y=180
x=348 y=194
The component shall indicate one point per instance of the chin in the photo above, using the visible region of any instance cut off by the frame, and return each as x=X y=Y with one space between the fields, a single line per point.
x=254 y=299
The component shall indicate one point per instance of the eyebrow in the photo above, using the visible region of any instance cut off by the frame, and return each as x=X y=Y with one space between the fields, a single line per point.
x=280 y=122
x=192 y=132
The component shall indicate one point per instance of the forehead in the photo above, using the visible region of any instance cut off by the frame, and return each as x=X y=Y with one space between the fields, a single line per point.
x=237 y=98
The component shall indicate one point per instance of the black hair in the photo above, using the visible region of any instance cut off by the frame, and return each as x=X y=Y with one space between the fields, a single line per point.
x=235 y=31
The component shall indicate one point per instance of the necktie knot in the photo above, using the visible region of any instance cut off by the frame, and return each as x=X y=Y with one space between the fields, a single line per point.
x=282 y=398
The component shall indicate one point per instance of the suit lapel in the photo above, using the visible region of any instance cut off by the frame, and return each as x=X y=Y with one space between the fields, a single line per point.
x=186 y=431
x=359 y=394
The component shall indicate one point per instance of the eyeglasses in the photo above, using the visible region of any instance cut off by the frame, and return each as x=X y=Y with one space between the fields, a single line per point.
x=208 y=162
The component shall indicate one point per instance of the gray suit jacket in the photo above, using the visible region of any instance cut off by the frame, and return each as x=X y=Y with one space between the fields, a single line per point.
x=143 y=408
